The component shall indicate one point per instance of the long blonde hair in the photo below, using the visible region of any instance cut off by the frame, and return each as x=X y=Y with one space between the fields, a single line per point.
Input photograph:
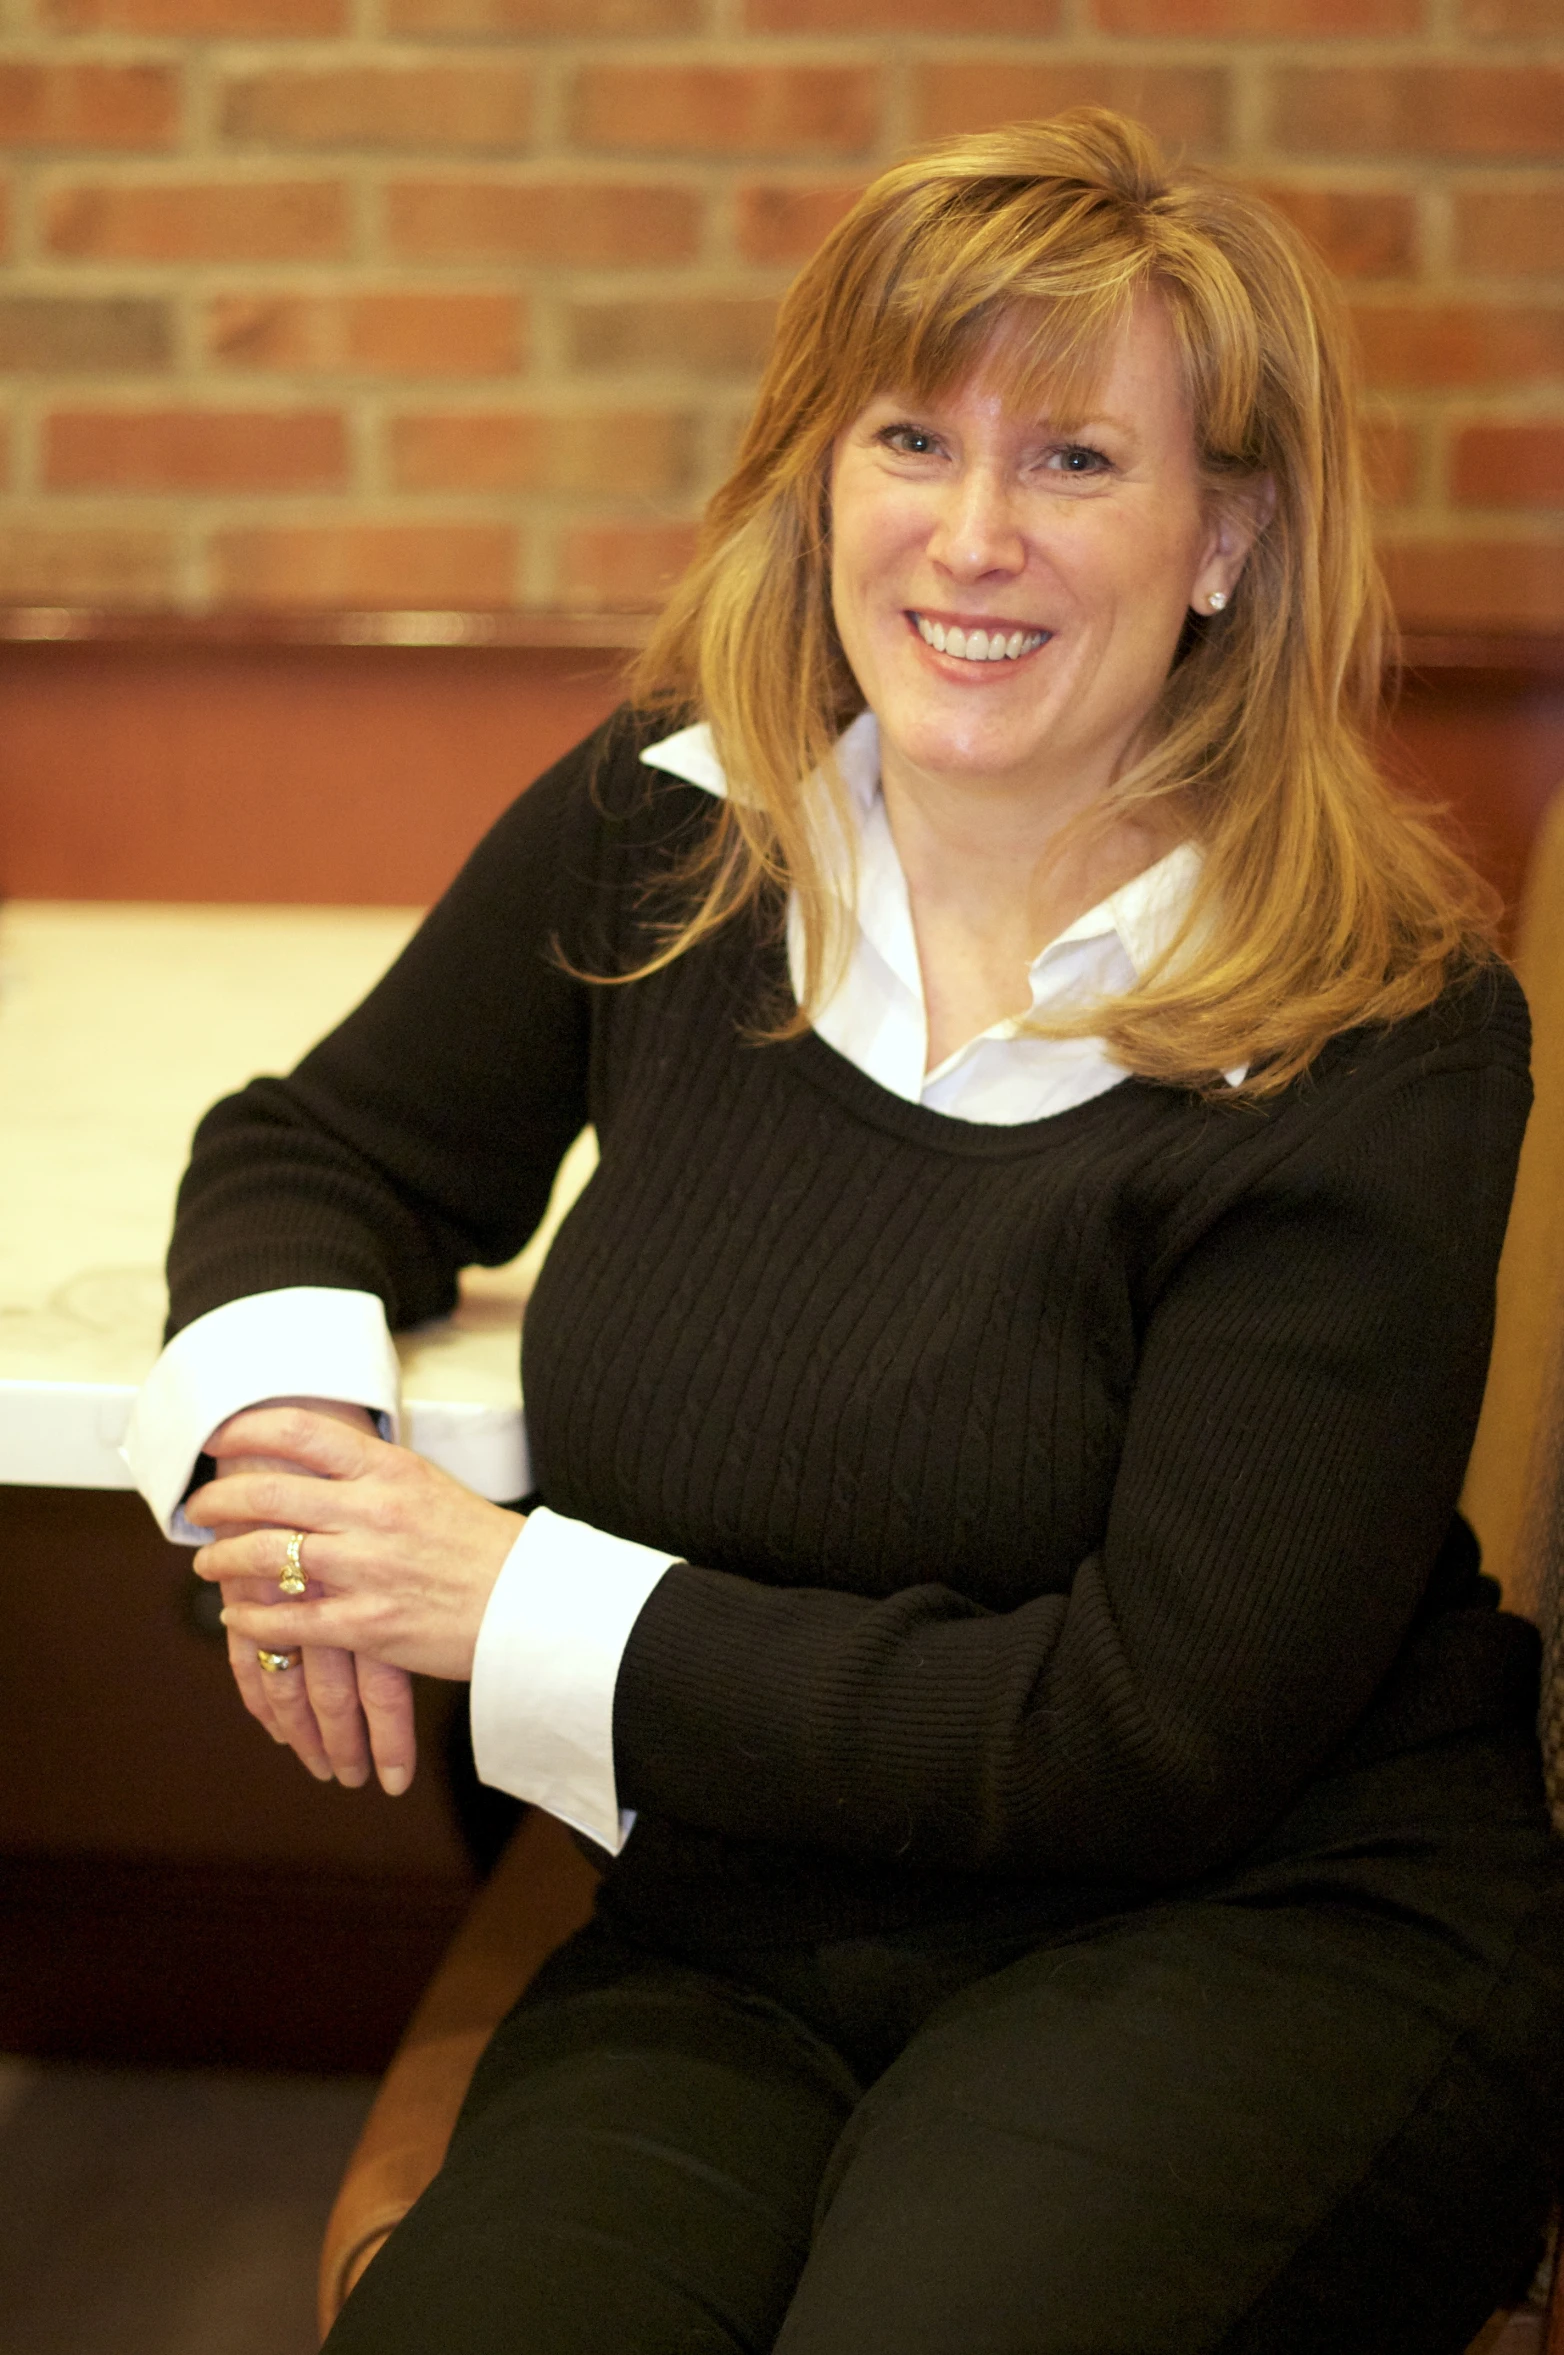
x=1324 y=902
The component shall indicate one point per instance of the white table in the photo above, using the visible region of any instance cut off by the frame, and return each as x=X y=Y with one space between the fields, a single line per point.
x=119 y=1025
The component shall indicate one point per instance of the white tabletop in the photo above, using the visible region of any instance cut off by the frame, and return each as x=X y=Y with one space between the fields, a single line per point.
x=119 y=1025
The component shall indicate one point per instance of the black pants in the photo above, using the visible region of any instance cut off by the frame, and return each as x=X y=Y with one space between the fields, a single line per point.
x=1307 y=2107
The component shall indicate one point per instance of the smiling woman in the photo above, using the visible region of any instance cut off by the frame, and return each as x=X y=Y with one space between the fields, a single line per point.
x=1076 y=1874
x=1009 y=592
x=1172 y=370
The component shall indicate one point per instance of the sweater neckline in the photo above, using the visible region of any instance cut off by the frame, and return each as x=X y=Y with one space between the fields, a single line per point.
x=822 y=1066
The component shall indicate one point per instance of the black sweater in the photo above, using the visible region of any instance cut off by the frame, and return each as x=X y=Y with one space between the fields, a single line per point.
x=1054 y=1500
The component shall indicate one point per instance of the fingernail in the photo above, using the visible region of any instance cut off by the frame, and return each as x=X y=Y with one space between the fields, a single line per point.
x=322 y=1774
x=353 y=1778
x=394 y=1780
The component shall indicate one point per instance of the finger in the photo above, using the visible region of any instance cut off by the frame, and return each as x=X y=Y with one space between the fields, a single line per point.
x=386 y=1695
x=287 y=1695
x=287 y=1500
x=276 y=1698
x=252 y=1681
x=344 y=1623
x=323 y=1444
x=255 y=1560
x=332 y=1686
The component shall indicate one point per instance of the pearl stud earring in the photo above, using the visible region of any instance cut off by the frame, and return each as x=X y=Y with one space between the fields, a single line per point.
x=1216 y=600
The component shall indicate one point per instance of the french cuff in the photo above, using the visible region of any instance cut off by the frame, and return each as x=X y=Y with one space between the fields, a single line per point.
x=545 y=1666
x=306 y=1340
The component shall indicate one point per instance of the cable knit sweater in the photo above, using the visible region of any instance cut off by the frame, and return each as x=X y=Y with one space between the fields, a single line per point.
x=1053 y=1501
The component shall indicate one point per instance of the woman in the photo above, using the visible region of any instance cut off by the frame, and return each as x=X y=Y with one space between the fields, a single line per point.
x=1080 y=1876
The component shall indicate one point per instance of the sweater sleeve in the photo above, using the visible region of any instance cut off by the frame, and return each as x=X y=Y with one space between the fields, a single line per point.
x=424 y=1133
x=1312 y=1364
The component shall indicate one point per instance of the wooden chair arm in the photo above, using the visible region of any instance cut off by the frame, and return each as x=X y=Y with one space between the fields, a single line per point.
x=540 y=1891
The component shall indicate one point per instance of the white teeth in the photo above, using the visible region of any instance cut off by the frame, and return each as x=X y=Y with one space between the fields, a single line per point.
x=978 y=645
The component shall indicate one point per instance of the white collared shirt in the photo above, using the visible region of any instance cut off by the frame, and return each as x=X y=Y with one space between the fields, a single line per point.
x=876 y=1018
x=562 y=1609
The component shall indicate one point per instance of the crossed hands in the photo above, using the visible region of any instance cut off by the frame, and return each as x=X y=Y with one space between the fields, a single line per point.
x=400 y=1561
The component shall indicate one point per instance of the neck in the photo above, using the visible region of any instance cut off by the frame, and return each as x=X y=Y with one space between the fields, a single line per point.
x=992 y=877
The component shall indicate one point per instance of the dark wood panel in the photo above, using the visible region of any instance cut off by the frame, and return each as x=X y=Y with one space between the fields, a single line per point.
x=174 y=1888
x=338 y=775
x=354 y=759
x=120 y=1729
x=1484 y=739
x=159 y=1964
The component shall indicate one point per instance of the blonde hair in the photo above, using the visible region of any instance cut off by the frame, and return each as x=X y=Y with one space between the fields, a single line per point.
x=1323 y=902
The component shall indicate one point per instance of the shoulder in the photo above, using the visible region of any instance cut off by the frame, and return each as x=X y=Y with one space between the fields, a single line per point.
x=1479 y=1022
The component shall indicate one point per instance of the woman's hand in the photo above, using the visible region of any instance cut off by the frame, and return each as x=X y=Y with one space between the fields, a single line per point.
x=400 y=1559
x=337 y=1714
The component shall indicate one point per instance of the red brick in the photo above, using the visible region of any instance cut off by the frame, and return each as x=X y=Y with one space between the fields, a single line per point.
x=580 y=222
x=728 y=109
x=229 y=20
x=47 y=563
x=195 y=450
x=245 y=221
x=1184 y=104
x=83 y=335
x=1511 y=232
x=1508 y=466
x=637 y=453
x=1391 y=455
x=1454 y=110
x=1514 y=18
x=1477 y=584
x=615 y=567
x=1361 y=234
x=778 y=222
x=1267 y=19
x=335 y=564
x=709 y=335
x=1027 y=17
x=577 y=19
x=398 y=334
x=401 y=107
x=1405 y=345
x=88 y=105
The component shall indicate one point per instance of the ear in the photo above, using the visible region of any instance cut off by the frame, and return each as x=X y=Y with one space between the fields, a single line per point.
x=1240 y=517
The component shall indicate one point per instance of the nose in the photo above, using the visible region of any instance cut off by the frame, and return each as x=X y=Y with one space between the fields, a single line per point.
x=977 y=531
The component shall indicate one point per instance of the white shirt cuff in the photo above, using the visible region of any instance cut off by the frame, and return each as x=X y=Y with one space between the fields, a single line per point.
x=307 y=1340
x=546 y=1663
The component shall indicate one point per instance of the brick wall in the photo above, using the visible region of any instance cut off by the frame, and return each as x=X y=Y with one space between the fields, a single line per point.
x=457 y=302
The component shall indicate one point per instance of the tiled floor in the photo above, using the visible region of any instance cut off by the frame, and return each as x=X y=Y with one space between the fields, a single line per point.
x=165 y=2212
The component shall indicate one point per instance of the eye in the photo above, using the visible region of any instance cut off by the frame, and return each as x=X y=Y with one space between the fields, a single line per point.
x=1078 y=459
x=909 y=441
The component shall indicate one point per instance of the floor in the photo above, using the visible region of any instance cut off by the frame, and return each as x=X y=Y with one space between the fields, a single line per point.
x=166 y=2212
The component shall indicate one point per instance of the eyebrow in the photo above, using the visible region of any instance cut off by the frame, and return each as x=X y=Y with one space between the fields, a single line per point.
x=929 y=404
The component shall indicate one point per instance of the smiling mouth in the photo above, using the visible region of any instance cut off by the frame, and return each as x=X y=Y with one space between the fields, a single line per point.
x=979 y=645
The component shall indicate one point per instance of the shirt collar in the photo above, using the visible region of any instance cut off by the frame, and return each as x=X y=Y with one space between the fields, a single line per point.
x=1144 y=913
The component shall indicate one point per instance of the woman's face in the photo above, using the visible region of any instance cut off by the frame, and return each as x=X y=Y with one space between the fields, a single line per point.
x=1076 y=546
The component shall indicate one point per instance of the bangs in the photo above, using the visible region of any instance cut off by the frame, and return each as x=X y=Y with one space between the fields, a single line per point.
x=990 y=277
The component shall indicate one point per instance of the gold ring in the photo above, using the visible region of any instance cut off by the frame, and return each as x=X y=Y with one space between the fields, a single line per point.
x=275 y=1662
x=291 y=1578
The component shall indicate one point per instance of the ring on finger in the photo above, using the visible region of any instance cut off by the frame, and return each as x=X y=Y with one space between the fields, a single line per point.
x=292 y=1577
x=275 y=1663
